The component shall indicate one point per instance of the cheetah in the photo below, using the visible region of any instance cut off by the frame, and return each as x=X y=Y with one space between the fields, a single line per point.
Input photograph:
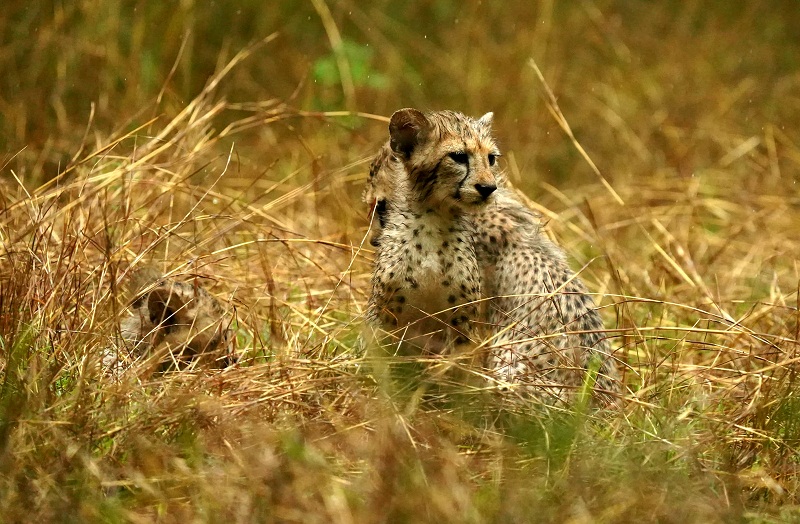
x=543 y=329
x=426 y=282
x=175 y=323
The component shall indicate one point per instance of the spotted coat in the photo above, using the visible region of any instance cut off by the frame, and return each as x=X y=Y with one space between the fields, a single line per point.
x=544 y=327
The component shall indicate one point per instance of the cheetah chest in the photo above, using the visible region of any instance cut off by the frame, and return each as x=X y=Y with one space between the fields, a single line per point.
x=430 y=273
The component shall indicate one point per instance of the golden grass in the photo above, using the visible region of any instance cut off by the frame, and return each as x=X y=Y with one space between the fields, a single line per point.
x=685 y=224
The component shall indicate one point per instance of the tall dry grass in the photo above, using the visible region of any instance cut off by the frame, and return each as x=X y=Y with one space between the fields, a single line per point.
x=241 y=170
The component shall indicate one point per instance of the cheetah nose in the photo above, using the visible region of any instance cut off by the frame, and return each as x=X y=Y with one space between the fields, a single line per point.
x=485 y=189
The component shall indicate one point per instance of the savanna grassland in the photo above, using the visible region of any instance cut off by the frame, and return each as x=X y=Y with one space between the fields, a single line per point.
x=228 y=144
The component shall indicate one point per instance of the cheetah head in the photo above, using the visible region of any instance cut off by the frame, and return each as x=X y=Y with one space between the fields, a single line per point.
x=185 y=319
x=450 y=158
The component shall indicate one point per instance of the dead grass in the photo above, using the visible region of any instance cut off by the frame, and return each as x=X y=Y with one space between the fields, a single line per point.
x=689 y=239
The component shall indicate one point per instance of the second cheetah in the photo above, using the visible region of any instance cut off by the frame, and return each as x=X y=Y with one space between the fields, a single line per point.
x=175 y=323
x=545 y=331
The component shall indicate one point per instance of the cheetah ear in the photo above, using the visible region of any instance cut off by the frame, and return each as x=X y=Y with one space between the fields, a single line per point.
x=163 y=304
x=407 y=128
x=486 y=120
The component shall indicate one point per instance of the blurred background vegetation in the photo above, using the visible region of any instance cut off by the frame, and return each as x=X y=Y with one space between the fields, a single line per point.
x=639 y=76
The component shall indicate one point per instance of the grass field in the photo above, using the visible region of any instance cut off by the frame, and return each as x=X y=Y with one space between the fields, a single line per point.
x=230 y=145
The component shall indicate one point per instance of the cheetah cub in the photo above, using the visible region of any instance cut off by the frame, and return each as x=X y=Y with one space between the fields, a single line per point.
x=546 y=334
x=544 y=331
x=175 y=323
x=426 y=281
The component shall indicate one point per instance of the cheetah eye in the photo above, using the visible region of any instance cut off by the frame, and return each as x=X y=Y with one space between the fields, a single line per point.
x=492 y=159
x=459 y=158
